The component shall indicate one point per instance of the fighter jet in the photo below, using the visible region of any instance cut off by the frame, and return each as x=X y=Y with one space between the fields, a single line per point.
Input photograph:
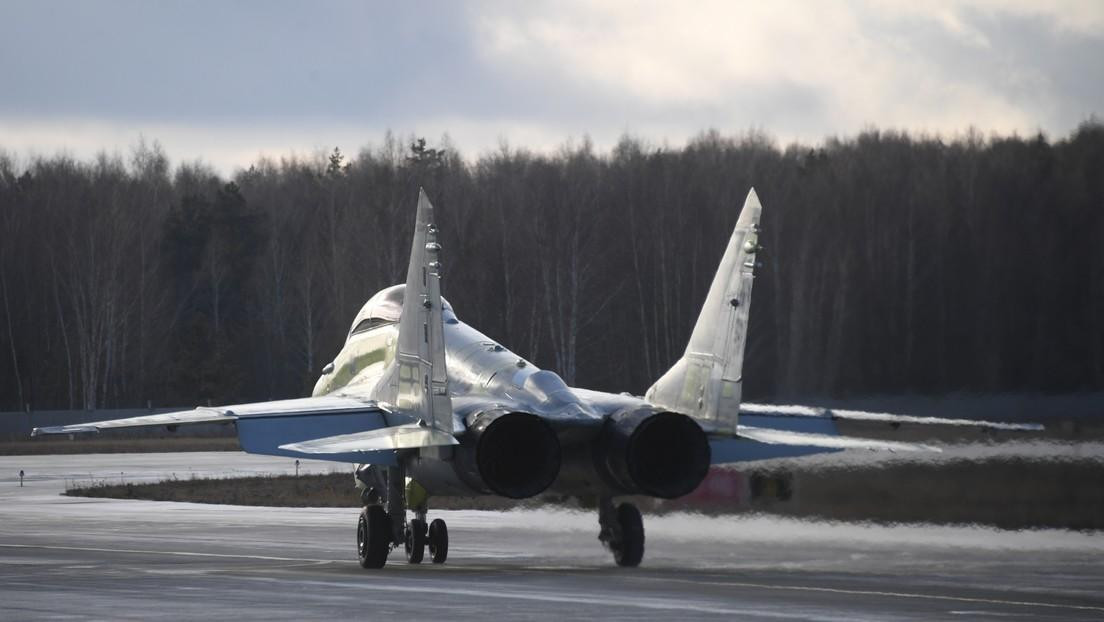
x=426 y=406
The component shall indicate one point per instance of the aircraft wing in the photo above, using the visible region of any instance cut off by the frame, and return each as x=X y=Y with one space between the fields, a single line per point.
x=276 y=427
x=183 y=417
x=771 y=431
x=223 y=414
x=754 y=443
x=835 y=414
x=825 y=441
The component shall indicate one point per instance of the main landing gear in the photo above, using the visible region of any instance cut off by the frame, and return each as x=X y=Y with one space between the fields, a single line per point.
x=373 y=537
x=622 y=531
x=438 y=541
x=382 y=525
x=418 y=536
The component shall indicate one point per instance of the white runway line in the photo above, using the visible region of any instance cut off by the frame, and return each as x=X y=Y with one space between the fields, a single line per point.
x=574 y=598
x=833 y=590
x=578 y=598
x=174 y=553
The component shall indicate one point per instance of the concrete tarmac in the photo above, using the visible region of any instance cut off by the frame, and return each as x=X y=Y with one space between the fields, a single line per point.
x=79 y=558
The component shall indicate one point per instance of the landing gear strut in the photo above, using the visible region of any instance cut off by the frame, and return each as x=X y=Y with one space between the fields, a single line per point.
x=622 y=531
x=382 y=525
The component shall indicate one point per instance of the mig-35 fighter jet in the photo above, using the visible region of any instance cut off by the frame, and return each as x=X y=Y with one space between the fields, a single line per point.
x=427 y=406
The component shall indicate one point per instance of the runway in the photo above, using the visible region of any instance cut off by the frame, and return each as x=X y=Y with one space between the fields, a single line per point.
x=79 y=558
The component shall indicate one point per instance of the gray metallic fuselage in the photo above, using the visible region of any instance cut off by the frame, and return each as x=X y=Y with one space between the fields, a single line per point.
x=484 y=377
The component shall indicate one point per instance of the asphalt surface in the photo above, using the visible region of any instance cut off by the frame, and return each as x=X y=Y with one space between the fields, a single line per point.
x=79 y=558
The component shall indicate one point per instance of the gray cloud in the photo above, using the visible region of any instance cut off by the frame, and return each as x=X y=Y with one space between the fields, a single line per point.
x=225 y=80
x=1051 y=73
x=225 y=60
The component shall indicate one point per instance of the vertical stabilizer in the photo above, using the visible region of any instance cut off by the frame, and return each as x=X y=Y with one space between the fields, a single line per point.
x=418 y=382
x=706 y=382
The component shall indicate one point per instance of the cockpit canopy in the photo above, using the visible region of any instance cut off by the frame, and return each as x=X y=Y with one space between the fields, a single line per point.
x=386 y=308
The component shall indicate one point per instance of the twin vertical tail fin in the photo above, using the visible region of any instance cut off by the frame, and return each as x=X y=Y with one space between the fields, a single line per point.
x=706 y=383
x=418 y=381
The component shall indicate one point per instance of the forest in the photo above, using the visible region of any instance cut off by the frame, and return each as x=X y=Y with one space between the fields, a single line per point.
x=893 y=263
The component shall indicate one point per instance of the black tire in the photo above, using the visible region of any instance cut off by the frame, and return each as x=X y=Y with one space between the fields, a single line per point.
x=438 y=541
x=629 y=551
x=415 y=541
x=373 y=537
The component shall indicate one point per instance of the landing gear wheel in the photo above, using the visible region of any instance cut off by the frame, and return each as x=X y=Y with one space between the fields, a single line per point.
x=415 y=541
x=438 y=541
x=373 y=537
x=628 y=550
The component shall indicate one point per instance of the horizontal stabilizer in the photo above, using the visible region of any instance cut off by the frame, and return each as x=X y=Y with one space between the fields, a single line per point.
x=824 y=441
x=409 y=436
x=772 y=410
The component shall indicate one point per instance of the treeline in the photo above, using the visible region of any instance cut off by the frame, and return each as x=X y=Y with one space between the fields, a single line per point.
x=893 y=264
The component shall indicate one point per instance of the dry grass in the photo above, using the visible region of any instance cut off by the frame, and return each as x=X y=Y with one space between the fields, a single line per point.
x=333 y=490
x=1012 y=494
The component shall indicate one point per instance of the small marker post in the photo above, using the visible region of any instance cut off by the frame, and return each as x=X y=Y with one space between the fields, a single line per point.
x=20 y=478
x=296 y=467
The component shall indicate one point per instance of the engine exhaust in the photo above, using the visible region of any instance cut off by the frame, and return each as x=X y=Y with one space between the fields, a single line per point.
x=512 y=454
x=662 y=454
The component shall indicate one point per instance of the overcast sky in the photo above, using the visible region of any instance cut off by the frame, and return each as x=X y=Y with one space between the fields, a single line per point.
x=226 y=81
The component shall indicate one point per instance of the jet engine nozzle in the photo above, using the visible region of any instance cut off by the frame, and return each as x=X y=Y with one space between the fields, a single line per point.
x=512 y=454
x=662 y=454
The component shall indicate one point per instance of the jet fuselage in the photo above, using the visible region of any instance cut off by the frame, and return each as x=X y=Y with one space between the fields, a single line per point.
x=522 y=430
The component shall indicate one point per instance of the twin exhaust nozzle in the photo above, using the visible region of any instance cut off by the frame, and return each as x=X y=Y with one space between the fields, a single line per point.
x=642 y=451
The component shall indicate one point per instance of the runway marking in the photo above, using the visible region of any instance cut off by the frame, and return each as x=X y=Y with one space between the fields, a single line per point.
x=554 y=598
x=853 y=592
x=679 y=605
x=176 y=553
x=557 y=598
